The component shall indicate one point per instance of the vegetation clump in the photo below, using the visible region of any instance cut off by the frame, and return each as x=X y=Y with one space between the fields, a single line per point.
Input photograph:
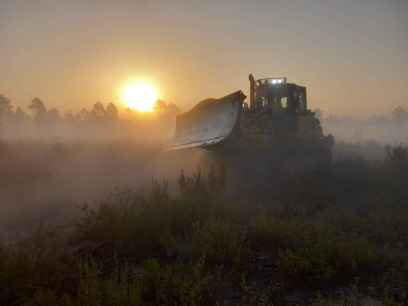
x=320 y=241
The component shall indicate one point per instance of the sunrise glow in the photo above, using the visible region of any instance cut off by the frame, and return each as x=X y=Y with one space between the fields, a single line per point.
x=140 y=96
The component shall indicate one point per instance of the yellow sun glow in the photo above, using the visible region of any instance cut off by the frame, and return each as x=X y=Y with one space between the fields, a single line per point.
x=140 y=96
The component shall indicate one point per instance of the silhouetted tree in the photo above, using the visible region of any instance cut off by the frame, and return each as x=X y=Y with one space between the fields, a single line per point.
x=166 y=108
x=98 y=111
x=399 y=114
x=39 y=110
x=397 y=154
x=160 y=105
x=112 y=112
x=5 y=105
x=6 y=110
x=397 y=158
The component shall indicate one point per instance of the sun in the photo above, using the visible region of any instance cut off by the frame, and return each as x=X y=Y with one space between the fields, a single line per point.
x=140 y=96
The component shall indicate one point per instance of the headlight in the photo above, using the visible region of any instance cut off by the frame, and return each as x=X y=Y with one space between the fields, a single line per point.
x=276 y=81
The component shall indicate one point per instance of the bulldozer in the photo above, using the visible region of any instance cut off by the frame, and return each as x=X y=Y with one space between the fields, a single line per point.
x=275 y=130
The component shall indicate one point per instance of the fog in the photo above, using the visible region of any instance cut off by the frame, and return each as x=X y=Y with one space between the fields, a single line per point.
x=52 y=164
x=388 y=129
x=48 y=182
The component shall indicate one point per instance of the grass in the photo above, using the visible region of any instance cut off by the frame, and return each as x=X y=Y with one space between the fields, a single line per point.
x=202 y=247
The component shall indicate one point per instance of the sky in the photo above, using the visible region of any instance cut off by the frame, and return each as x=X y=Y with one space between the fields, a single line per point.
x=351 y=54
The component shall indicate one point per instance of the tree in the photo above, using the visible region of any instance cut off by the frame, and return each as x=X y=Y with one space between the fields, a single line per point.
x=166 y=108
x=399 y=114
x=37 y=106
x=5 y=105
x=112 y=112
x=397 y=158
x=160 y=106
x=6 y=109
x=98 y=111
x=39 y=110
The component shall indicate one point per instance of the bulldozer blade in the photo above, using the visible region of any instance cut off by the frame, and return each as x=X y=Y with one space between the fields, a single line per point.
x=209 y=123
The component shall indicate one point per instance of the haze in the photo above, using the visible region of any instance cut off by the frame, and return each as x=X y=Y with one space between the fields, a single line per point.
x=352 y=55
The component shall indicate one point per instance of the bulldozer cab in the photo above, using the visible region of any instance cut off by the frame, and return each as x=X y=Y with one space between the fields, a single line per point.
x=277 y=95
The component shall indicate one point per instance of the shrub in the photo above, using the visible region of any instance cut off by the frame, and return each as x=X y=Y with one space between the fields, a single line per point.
x=39 y=261
x=178 y=284
x=221 y=242
x=118 y=289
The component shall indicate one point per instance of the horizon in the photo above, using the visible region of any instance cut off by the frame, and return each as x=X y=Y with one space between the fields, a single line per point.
x=76 y=53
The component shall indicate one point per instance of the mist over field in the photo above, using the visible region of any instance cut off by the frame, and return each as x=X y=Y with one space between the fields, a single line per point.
x=52 y=160
x=102 y=179
x=52 y=163
x=386 y=129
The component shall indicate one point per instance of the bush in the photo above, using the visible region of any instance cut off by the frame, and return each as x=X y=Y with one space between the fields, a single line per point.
x=118 y=289
x=40 y=261
x=193 y=248
x=221 y=242
x=177 y=284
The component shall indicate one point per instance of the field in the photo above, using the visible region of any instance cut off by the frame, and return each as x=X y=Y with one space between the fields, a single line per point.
x=82 y=228
x=194 y=153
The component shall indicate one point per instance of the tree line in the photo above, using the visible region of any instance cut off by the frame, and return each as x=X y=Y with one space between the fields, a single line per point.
x=37 y=118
